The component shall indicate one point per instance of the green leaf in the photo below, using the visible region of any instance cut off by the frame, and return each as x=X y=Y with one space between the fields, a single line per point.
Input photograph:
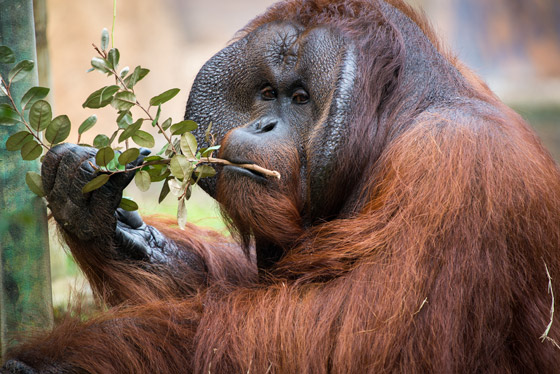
x=164 y=192
x=166 y=124
x=131 y=130
x=204 y=171
x=100 y=64
x=209 y=150
x=137 y=75
x=128 y=204
x=101 y=141
x=17 y=140
x=114 y=165
x=176 y=187
x=124 y=119
x=20 y=71
x=143 y=139
x=153 y=158
x=124 y=72
x=188 y=193
x=35 y=183
x=7 y=56
x=112 y=138
x=100 y=98
x=31 y=150
x=156 y=119
x=182 y=214
x=58 y=130
x=188 y=145
x=180 y=167
x=104 y=156
x=95 y=183
x=104 y=39
x=159 y=173
x=142 y=180
x=182 y=127
x=163 y=150
x=8 y=116
x=164 y=97
x=33 y=95
x=3 y=89
x=128 y=156
x=87 y=124
x=113 y=58
x=40 y=115
x=123 y=100
x=172 y=150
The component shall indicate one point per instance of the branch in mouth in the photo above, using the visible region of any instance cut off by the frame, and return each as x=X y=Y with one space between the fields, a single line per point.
x=253 y=167
x=210 y=160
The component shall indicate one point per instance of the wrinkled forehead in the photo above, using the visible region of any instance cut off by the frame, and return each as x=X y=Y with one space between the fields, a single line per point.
x=276 y=44
x=281 y=49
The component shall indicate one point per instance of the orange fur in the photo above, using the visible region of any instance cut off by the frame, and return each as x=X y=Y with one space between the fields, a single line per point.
x=437 y=265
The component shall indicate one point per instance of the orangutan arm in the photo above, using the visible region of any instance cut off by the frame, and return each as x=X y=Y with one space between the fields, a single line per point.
x=124 y=258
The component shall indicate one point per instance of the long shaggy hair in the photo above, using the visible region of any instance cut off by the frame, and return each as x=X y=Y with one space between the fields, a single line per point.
x=439 y=263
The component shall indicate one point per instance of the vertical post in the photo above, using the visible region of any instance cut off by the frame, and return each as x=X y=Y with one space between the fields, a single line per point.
x=43 y=59
x=25 y=289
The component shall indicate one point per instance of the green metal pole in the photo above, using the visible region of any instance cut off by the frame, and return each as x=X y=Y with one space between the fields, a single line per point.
x=25 y=293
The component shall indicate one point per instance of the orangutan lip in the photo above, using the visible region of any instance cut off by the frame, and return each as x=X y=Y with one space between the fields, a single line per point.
x=250 y=173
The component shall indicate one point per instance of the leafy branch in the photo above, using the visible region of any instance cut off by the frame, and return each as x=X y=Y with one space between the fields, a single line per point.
x=14 y=108
x=180 y=163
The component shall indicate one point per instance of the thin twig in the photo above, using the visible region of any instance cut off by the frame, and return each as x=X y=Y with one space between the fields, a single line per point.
x=203 y=160
x=254 y=167
x=158 y=126
x=545 y=336
x=421 y=306
x=100 y=52
x=22 y=116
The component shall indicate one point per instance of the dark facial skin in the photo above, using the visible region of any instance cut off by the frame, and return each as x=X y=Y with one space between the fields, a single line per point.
x=274 y=87
x=265 y=95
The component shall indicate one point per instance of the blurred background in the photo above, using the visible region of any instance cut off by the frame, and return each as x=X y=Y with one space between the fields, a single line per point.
x=513 y=44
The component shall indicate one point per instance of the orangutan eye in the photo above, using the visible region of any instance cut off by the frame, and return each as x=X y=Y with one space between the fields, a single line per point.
x=300 y=97
x=268 y=93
